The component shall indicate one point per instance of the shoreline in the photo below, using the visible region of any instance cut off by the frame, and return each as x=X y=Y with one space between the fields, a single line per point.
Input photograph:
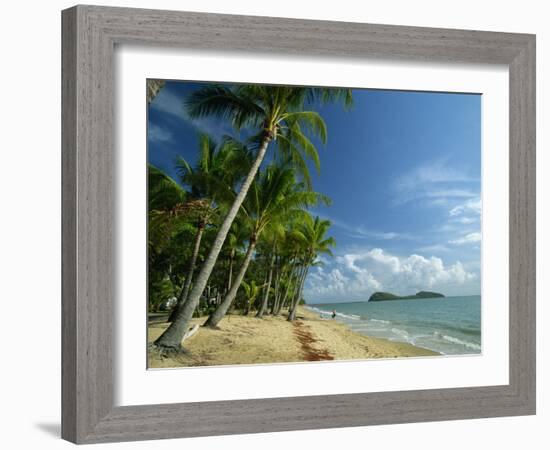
x=248 y=340
x=382 y=347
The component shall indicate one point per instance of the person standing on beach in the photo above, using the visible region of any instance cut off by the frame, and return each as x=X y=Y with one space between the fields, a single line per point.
x=333 y=313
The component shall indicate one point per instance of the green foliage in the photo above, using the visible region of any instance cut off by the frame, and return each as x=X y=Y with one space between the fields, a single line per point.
x=275 y=210
x=164 y=193
x=153 y=88
x=277 y=112
x=276 y=198
x=311 y=234
x=159 y=292
x=175 y=214
x=218 y=169
x=251 y=292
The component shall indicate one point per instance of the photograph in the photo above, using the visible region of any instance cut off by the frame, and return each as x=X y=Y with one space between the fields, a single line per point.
x=298 y=224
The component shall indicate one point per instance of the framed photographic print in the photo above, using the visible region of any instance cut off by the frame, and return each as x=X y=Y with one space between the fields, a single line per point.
x=264 y=229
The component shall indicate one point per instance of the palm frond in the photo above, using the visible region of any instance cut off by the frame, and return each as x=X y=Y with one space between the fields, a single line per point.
x=331 y=95
x=291 y=153
x=163 y=191
x=221 y=101
x=311 y=120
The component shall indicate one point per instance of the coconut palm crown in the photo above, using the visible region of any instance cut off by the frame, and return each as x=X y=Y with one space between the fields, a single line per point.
x=274 y=113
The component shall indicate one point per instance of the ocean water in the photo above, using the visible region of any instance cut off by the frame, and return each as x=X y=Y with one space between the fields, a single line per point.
x=450 y=325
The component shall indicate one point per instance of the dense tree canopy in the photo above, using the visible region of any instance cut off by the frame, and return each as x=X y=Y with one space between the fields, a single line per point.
x=235 y=233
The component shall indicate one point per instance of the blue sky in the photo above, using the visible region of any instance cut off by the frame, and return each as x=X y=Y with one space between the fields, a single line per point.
x=403 y=171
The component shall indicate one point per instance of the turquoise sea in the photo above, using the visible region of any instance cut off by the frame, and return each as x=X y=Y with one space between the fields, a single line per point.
x=450 y=325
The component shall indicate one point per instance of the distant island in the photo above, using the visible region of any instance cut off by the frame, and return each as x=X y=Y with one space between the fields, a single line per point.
x=382 y=296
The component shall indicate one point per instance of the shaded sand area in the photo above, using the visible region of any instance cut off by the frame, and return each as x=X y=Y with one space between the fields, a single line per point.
x=247 y=340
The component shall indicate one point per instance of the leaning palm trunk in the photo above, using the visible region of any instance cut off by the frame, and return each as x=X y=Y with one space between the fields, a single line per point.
x=172 y=337
x=224 y=306
x=277 y=290
x=276 y=302
x=292 y=314
x=263 y=307
x=281 y=305
x=230 y=275
x=296 y=287
x=189 y=277
x=288 y=289
x=282 y=301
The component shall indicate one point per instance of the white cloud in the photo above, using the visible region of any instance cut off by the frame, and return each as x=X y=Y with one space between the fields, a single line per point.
x=333 y=282
x=467 y=220
x=436 y=183
x=449 y=193
x=430 y=173
x=361 y=232
x=472 y=206
x=364 y=233
x=357 y=275
x=159 y=134
x=467 y=239
x=168 y=102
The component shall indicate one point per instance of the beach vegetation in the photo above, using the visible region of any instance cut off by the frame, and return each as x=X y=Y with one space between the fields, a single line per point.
x=279 y=118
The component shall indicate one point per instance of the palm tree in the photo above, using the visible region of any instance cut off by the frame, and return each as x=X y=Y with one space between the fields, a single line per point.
x=278 y=115
x=312 y=234
x=235 y=240
x=284 y=267
x=290 y=285
x=164 y=197
x=210 y=182
x=251 y=291
x=163 y=192
x=153 y=88
x=271 y=257
x=273 y=198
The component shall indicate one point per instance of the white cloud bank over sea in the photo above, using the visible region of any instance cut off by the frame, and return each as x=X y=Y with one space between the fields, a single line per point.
x=355 y=276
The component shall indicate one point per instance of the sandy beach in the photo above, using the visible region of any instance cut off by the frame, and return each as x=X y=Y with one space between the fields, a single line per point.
x=247 y=340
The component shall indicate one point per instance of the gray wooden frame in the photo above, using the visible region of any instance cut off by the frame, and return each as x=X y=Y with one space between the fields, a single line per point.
x=89 y=36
